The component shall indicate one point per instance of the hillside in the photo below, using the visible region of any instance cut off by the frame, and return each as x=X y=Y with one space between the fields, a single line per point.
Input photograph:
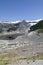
x=39 y=25
x=20 y=42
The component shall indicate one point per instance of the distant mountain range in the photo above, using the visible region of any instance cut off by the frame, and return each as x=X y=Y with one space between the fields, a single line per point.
x=8 y=26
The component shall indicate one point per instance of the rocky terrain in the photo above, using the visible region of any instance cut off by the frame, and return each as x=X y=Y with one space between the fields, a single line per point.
x=20 y=44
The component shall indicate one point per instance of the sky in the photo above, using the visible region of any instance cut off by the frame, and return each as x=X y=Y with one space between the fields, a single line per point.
x=12 y=10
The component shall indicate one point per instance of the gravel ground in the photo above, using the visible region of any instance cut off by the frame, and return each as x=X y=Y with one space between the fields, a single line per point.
x=24 y=62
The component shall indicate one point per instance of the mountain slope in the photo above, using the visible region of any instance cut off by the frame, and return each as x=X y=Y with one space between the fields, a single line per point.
x=39 y=25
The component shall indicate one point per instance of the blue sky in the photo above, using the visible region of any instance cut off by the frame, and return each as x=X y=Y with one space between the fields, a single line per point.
x=11 y=10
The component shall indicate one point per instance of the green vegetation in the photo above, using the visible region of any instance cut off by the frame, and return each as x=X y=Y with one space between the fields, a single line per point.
x=4 y=62
x=38 y=57
x=40 y=31
x=39 y=25
x=14 y=58
x=0 y=30
x=7 y=58
x=9 y=55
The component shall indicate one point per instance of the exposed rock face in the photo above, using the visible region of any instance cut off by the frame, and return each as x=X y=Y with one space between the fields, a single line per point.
x=9 y=26
x=7 y=30
x=17 y=42
x=19 y=34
